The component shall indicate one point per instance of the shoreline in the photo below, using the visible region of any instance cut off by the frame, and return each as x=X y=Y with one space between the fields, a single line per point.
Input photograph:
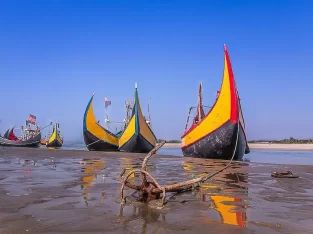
x=267 y=146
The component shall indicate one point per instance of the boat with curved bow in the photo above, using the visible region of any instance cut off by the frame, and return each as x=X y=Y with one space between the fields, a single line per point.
x=137 y=137
x=96 y=137
x=220 y=134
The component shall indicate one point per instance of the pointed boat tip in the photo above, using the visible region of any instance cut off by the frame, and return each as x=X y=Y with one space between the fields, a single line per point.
x=225 y=47
x=93 y=94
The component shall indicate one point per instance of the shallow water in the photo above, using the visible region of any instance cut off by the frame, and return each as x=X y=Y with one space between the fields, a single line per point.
x=77 y=194
x=256 y=155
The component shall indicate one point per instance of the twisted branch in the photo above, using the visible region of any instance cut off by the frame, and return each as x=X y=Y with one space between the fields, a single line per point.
x=152 y=190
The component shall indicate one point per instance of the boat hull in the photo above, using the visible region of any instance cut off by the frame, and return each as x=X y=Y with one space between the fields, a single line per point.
x=93 y=143
x=137 y=144
x=33 y=142
x=220 y=144
x=54 y=143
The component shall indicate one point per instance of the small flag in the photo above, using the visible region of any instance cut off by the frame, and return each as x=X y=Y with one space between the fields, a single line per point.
x=107 y=102
x=31 y=119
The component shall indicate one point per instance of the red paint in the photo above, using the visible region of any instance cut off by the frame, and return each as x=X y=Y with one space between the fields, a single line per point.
x=12 y=137
x=186 y=146
x=233 y=94
x=234 y=115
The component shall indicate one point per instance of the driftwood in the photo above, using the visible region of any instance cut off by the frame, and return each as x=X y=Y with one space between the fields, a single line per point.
x=152 y=190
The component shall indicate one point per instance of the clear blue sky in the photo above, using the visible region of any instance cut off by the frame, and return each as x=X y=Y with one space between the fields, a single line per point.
x=55 y=54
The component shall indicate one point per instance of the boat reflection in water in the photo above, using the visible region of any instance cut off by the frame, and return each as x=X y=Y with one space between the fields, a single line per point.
x=230 y=208
x=90 y=169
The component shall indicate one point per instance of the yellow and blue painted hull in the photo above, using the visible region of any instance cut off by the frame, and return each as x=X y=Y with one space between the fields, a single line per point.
x=97 y=138
x=55 y=140
x=138 y=137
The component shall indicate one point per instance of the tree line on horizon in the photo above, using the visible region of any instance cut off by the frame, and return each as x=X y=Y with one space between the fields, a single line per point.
x=291 y=140
x=168 y=141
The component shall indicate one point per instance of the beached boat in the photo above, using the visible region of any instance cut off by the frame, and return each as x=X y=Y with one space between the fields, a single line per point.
x=138 y=136
x=96 y=137
x=220 y=134
x=30 y=136
x=55 y=140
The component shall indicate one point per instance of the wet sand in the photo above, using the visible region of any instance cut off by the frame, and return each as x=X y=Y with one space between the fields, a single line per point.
x=60 y=191
x=262 y=146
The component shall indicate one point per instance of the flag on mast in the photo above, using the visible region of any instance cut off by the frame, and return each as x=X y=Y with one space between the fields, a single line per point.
x=31 y=119
x=107 y=102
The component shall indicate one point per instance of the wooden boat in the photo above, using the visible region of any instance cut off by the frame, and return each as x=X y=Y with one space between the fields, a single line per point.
x=31 y=135
x=220 y=134
x=30 y=139
x=138 y=136
x=96 y=137
x=55 y=140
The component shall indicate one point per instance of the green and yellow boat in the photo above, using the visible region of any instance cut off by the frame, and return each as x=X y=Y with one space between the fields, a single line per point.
x=137 y=137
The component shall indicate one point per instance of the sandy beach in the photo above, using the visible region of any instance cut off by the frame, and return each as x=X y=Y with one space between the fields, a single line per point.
x=61 y=191
x=261 y=146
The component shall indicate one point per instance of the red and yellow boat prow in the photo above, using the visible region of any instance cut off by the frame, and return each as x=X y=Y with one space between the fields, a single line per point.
x=220 y=133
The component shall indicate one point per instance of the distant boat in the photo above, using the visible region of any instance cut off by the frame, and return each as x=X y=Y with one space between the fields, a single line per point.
x=43 y=141
x=55 y=140
x=137 y=136
x=6 y=134
x=30 y=135
x=96 y=137
x=220 y=133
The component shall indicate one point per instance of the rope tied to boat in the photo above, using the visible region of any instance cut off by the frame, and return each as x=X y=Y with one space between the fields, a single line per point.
x=94 y=142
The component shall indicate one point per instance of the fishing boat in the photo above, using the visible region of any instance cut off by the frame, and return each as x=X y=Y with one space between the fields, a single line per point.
x=55 y=140
x=96 y=137
x=31 y=135
x=220 y=134
x=137 y=136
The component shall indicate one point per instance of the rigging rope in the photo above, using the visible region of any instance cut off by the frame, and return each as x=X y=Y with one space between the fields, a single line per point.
x=94 y=142
x=230 y=161
x=193 y=107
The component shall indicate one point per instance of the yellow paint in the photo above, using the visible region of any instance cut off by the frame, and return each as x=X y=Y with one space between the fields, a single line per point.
x=129 y=131
x=92 y=166
x=219 y=115
x=127 y=164
x=205 y=187
x=228 y=216
x=53 y=136
x=94 y=128
x=145 y=130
